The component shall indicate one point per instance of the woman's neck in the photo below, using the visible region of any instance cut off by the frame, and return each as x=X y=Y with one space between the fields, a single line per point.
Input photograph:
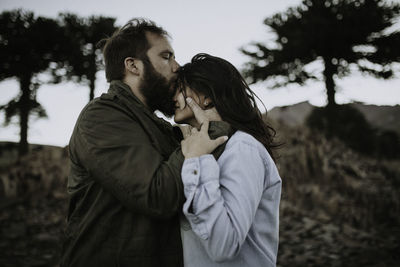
x=193 y=122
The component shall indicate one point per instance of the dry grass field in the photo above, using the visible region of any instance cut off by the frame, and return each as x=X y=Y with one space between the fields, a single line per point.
x=339 y=208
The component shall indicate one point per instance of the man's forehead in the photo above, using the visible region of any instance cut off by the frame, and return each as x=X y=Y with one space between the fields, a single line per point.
x=158 y=43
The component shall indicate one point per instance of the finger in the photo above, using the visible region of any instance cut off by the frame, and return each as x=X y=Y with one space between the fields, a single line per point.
x=185 y=129
x=183 y=142
x=187 y=132
x=204 y=127
x=212 y=114
x=193 y=130
x=197 y=111
x=219 y=141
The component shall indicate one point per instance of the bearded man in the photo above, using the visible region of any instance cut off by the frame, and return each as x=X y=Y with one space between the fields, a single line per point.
x=125 y=185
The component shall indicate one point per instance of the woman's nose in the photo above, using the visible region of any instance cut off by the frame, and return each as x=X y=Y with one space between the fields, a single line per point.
x=175 y=98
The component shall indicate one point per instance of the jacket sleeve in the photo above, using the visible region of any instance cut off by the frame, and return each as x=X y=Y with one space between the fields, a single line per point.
x=222 y=202
x=118 y=154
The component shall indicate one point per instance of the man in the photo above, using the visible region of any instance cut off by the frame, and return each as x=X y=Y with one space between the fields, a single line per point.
x=125 y=185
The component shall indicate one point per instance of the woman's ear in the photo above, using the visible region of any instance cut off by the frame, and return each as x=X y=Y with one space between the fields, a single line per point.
x=133 y=65
x=207 y=103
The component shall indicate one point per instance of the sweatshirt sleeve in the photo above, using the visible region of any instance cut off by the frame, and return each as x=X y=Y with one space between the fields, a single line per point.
x=222 y=197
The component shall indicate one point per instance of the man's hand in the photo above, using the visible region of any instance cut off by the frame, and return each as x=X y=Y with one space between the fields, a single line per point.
x=203 y=115
x=199 y=143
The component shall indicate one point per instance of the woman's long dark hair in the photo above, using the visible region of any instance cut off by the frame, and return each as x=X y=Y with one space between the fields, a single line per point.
x=235 y=102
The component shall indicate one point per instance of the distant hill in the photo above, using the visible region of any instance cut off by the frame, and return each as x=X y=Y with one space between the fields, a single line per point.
x=9 y=152
x=381 y=117
x=385 y=117
x=44 y=169
x=293 y=115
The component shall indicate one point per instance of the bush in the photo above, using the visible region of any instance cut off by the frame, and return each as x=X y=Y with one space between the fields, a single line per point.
x=347 y=124
x=388 y=144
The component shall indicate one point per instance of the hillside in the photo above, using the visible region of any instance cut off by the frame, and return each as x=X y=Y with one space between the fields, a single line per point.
x=381 y=117
x=42 y=171
x=339 y=208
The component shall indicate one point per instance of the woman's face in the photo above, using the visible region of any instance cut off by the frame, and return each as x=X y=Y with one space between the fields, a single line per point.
x=183 y=113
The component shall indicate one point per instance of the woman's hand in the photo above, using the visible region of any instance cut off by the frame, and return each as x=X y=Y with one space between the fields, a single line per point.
x=186 y=130
x=203 y=115
x=199 y=143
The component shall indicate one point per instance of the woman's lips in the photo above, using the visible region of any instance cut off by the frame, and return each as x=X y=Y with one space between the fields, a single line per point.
x=179 y=107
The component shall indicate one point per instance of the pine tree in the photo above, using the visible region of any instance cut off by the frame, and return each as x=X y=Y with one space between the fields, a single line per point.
x=85 y=58
x=28 y=46
x=341 y=34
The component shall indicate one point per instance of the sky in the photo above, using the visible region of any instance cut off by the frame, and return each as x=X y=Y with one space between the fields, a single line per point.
x=217 y=27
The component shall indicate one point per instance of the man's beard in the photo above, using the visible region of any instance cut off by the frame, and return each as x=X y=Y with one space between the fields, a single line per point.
x=157 y=90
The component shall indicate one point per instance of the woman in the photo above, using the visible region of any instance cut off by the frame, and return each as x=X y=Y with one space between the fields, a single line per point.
x=232 y=204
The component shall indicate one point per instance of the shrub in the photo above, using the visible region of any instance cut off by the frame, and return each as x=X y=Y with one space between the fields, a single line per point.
x=388 y=144
x=345 y=123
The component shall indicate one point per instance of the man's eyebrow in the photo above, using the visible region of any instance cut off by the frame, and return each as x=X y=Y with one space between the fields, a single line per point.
x=167 y=51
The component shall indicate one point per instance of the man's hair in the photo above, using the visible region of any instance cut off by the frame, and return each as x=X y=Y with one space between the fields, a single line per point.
x=128 y=41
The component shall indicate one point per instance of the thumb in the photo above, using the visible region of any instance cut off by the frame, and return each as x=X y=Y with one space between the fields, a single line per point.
x=185 y=129
x=197 y=111
x=219 y=141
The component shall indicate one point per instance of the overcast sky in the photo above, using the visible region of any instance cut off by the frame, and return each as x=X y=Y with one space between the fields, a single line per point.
x=217 y=27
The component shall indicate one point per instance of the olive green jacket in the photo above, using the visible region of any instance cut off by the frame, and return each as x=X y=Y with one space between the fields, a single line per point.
x=125 y=185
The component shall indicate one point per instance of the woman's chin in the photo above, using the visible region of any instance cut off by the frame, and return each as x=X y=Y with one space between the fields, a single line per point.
x=178 y=119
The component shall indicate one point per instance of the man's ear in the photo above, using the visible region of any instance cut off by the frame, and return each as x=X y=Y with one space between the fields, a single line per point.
x=133 y=65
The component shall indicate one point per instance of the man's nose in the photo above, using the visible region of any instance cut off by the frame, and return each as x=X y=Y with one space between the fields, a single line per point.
x=175 y=66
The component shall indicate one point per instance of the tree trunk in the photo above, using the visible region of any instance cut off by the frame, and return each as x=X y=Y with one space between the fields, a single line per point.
x=92 y=80
x=329 y=81
x=92 y=74
x=24 y=109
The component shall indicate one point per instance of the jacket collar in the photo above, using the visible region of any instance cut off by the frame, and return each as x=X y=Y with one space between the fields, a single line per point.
x=119 y=86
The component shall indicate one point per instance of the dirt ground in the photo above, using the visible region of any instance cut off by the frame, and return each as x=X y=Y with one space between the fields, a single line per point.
x=31 y=235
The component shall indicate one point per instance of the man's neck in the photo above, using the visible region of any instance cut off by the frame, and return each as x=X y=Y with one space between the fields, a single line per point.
x=134 y=86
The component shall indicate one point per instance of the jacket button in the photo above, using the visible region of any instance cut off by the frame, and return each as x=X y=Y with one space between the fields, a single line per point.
x=195 y=172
